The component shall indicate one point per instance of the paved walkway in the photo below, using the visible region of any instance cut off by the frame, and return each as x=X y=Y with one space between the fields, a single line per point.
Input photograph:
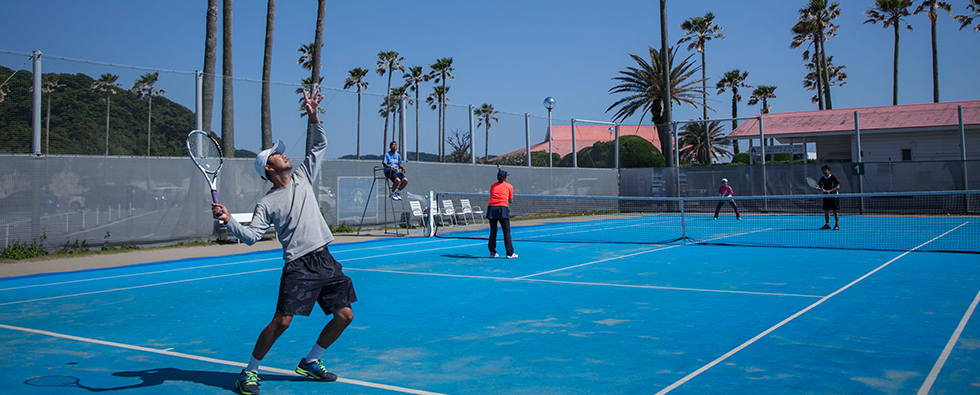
x=144 y=256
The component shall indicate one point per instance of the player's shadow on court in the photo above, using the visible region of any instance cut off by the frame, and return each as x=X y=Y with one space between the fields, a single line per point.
x=154 y=377
x=463 y=256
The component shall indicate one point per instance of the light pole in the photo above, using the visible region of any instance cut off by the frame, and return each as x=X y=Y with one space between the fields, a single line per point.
x=549 y=103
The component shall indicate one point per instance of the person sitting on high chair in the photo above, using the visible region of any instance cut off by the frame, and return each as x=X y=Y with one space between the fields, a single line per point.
x=394 y=171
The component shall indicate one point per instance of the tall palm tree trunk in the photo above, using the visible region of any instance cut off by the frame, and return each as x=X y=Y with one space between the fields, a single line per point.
x=270 y=19
x=895 y=74
x=819 y=72
x=704 y=87
x=486 y=144
x=210 y=59
x=666 y=136
x=824 y=72
x=439 y=131
x=321 y=11
x=734 y=115
x=384 y=140
x=227 y=85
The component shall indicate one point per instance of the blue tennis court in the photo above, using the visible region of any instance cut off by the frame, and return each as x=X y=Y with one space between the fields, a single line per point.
x=437 y=316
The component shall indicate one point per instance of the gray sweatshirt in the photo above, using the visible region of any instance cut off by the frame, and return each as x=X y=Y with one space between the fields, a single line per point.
x=292 y=209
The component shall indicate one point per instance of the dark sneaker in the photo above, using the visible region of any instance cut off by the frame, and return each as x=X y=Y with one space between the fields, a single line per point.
x=825 y=227
x=493 y=255
x=836 y=227
x=248 y=383
x=315 y=370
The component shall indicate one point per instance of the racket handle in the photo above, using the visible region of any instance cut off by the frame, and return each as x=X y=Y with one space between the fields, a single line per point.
x=214 y=198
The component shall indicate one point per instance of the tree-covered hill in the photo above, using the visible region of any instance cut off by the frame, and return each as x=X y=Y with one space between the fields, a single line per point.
x=78 y=119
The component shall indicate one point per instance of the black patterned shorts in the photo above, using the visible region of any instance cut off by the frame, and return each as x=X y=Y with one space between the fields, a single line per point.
x=314 y=278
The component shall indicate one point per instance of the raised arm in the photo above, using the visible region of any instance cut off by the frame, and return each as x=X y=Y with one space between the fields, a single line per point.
x=312 y=163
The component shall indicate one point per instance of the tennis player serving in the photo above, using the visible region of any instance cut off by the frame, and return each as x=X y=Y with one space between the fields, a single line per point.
x=311 y=275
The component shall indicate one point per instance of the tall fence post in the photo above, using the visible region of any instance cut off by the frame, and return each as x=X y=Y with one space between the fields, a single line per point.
x=36 y=111
x=574 y=150
x=198 y=100
x=857 y=148
x=527 y=137
x=966 y=182
x=616 y=149
x=472 y=140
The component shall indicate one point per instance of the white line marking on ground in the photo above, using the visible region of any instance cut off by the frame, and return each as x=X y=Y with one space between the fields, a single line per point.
x=385 y=246
x=210 y=360
x=138 y=286
x=579 y=283
x=634 y=254
x=927 y=385
x=138 y=274
x=792 y=317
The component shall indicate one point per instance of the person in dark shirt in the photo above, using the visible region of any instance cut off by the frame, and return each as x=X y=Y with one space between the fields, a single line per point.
x=829 y=184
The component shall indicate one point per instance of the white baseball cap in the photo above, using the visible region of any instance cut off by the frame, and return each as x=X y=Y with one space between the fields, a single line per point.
x=263 y=157
x=724 y=180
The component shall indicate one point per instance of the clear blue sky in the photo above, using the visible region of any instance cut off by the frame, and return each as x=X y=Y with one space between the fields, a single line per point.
x=511 y=54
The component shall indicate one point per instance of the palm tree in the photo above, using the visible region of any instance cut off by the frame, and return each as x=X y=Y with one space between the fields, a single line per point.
x=144 y=88
x=49 y=87
x=644 y=86
x=227 y=89
x=388 y=62
x=315 y=60
x=437 y=100
x=967 y=20
x=836 y=73
x=890 y=13
x=485 y=116
x=270 y=20
x=412 y=80
x=306 y=56
x=699 y=31
x=356 y=79
x=815 y=26
x=932 y=7
x=210 y=59
x=106 y=86
x=763 y=93
x=440 y=71
x=703 y=142
x=733 y=80
x=391 y=104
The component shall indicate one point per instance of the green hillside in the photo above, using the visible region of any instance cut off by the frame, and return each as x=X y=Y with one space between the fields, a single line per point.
x=78 y=120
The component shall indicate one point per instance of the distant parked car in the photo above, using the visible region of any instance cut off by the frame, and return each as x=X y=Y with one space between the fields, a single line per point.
x=174 y=195
x=20 y=202
x=118 y=195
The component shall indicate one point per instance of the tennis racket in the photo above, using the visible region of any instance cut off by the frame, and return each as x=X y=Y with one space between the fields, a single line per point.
x=813 y=184
x=206 y=154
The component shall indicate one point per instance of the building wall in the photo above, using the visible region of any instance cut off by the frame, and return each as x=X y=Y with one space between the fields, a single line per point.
x=884 y=147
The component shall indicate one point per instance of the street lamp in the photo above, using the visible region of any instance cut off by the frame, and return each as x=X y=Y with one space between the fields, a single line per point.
x=549 y=103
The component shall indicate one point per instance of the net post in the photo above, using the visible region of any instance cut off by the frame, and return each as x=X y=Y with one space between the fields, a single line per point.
x=527 y=137
x=431 y=230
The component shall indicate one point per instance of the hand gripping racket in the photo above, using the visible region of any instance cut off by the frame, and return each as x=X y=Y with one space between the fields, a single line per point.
x=813 y=184
x=206 y=154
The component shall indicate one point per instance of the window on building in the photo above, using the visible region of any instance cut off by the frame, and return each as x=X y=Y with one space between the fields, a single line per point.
x=907 y=154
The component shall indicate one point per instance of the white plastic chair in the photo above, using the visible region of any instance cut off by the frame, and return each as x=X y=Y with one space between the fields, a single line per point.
x=416 y=207
x=447 y=209
x=471 y=210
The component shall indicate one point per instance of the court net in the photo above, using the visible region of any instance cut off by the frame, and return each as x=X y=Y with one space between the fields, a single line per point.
x=932 y=221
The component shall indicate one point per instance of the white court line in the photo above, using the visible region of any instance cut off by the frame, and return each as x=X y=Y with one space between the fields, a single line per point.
x=217 y=276
x=137 y=274
x=137 y=287
x=581 y=283
x=209 y=360
x=927 y=385
x=635 y=254
x=792 y=317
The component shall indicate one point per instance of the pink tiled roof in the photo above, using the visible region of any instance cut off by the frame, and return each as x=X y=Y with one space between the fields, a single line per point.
x=586 y=136
x=838 y=121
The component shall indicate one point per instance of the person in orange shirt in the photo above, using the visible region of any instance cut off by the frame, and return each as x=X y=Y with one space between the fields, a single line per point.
x=501 y=195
